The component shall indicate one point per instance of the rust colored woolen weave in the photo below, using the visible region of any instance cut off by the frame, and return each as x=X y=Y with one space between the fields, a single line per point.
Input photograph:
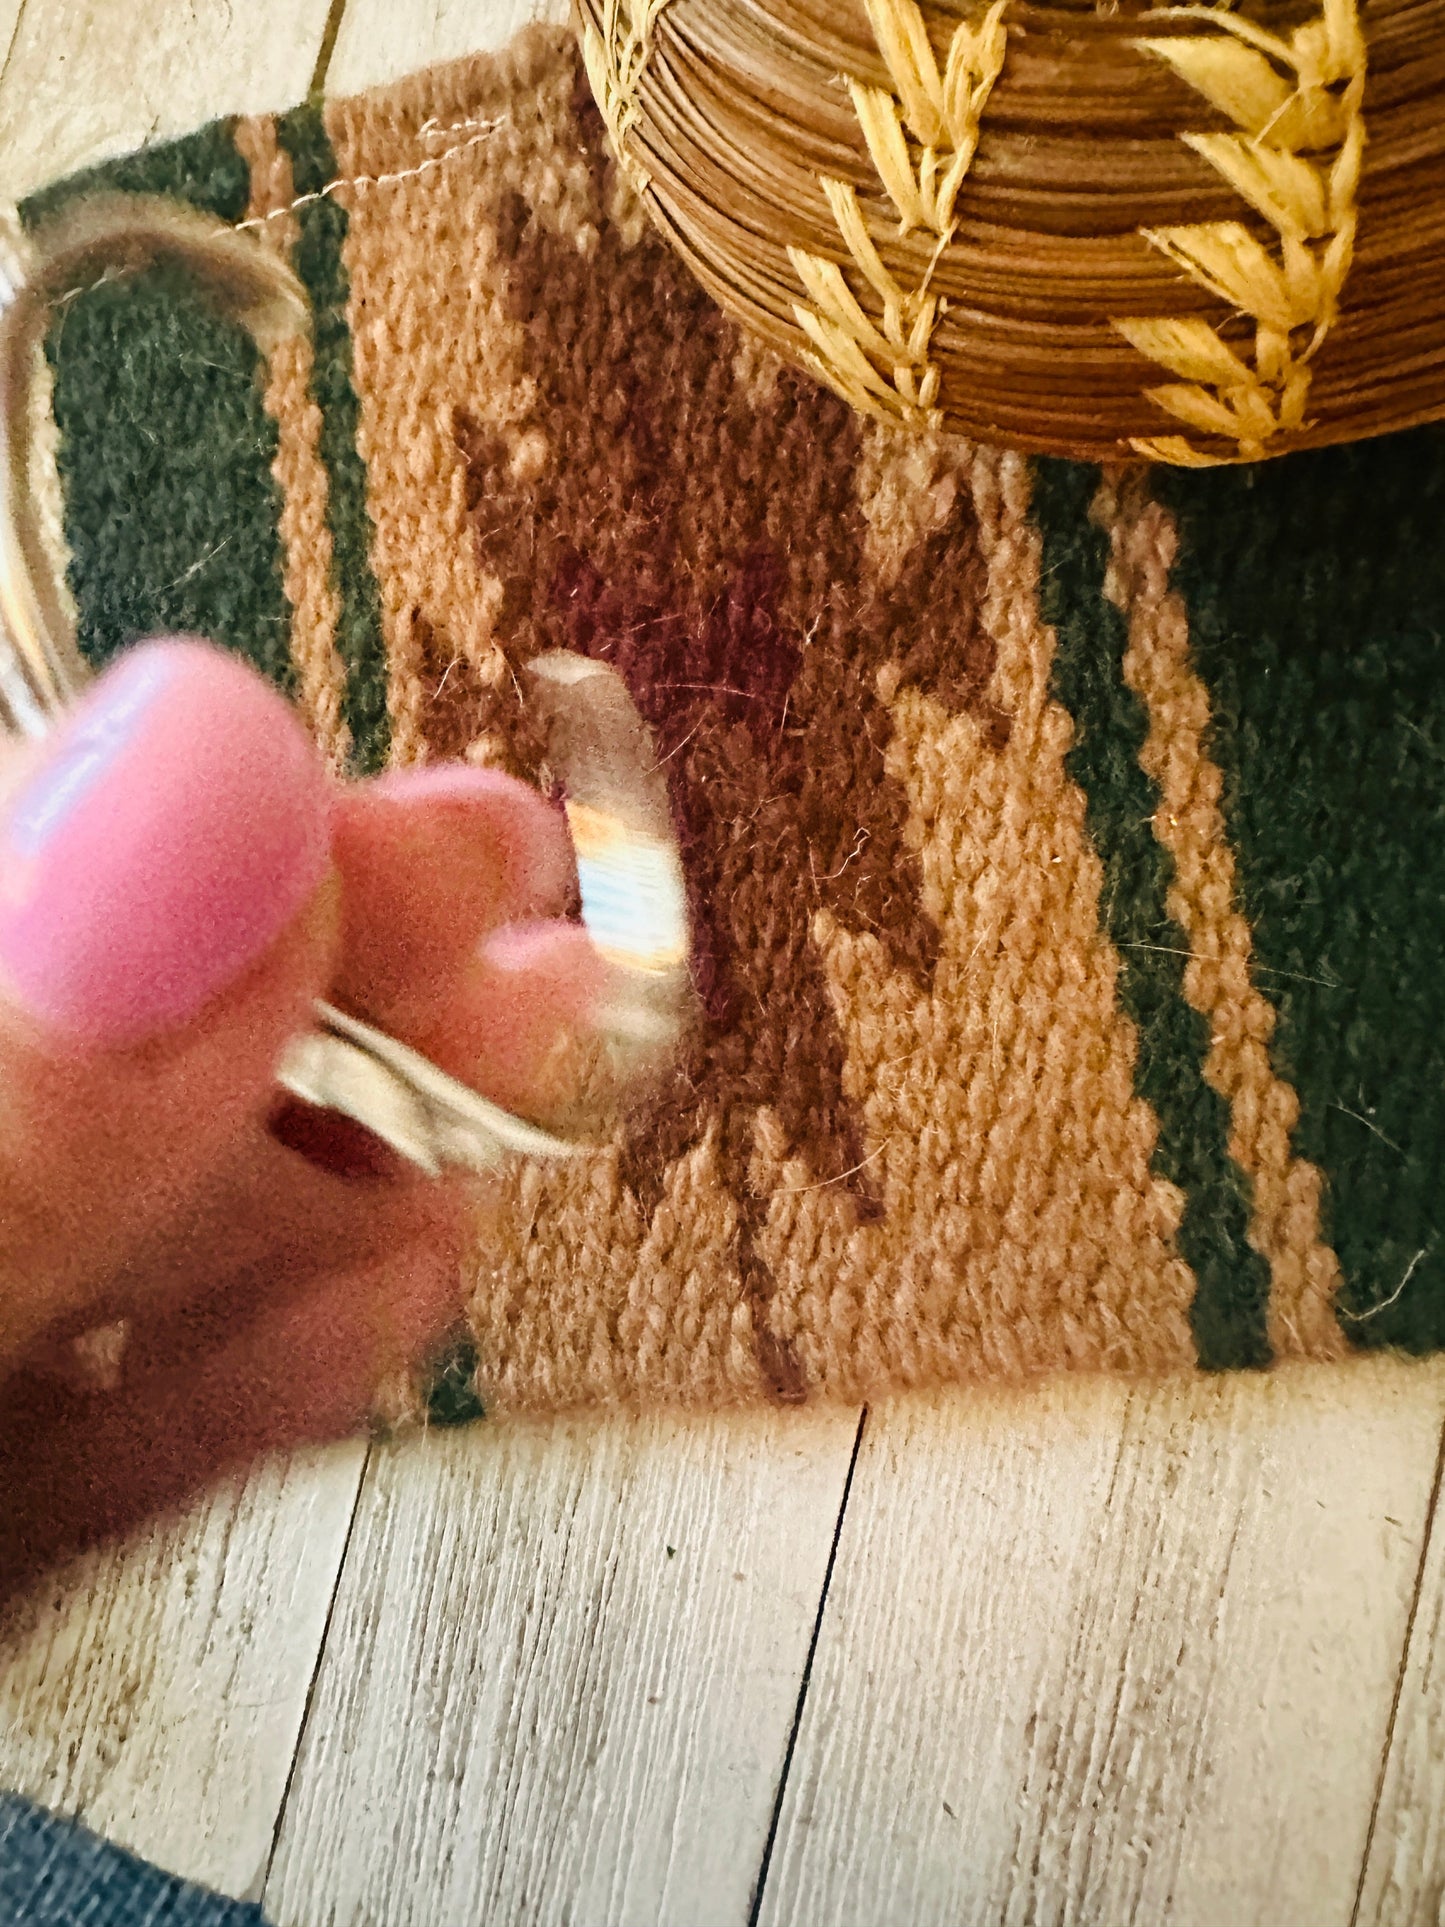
x=1064 y=845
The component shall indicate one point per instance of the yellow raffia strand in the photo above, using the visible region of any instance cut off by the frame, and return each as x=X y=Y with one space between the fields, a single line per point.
x=1296 y=162
x=922 y=137
x=615 y=60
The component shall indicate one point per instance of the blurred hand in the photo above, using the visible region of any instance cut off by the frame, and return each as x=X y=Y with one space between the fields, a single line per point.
x=179 y=880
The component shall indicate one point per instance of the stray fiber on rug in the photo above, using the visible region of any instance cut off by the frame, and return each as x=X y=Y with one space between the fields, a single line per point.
x=1066 y=849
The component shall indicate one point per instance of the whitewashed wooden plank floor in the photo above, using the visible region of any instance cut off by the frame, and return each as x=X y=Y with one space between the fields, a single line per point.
x=160 y=1692
x=562 y=1674
x=1091 y=1654
x=1112 y=1654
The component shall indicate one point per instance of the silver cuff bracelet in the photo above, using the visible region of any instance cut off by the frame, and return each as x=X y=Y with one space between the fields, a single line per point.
x=615 y=798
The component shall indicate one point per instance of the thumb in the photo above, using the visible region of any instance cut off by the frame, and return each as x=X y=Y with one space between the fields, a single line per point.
x=164 y=927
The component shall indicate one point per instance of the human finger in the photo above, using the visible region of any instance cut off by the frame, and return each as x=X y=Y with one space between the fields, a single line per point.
x=165 y=925
x=431 y=862
x=203 y=1395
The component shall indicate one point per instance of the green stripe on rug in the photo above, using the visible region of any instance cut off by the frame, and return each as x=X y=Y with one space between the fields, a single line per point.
x=320 y=261
x=1316 y=593
x=205 y=168
x=1231 y=1298
x=165 y=452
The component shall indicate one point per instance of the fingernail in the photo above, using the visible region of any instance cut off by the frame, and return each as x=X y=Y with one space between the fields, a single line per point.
x=179 y=822
x=527 y=835
x=555 y=966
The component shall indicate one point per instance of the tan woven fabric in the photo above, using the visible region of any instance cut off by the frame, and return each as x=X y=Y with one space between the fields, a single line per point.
x=1006 y=1015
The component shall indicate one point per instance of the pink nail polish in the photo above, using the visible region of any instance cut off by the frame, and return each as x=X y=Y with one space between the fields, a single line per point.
x=446 y=783
x=528 y=834
x=179 y=822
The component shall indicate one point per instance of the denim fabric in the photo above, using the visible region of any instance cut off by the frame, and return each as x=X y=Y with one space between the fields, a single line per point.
x=55 y=1874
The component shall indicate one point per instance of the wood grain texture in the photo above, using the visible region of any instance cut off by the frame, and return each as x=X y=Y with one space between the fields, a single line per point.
x=382 y=39
x=561 y=1674
x=1111 y=1655
x=10 y=12
x=83 y=81
x=1404 y=1877
x=157 y=1692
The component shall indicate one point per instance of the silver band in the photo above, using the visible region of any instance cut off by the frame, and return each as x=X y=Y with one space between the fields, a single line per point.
x=633 y=899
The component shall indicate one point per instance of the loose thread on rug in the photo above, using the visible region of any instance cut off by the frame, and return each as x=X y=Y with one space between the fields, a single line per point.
x=428 y=131
x=1364 y=1317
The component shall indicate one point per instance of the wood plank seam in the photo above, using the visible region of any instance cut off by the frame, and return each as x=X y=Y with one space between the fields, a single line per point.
x=329 y=34
x=14 y=40
x=321 y=1646
x=760 y=1888
x=1432 y=1514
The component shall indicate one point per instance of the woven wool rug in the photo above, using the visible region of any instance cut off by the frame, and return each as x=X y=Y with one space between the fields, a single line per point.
x=1066 y=849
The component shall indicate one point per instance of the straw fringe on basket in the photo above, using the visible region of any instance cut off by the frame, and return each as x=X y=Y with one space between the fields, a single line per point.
x=886 y=371
x=1011 y=222
x=1296 y=162
x=615 y=53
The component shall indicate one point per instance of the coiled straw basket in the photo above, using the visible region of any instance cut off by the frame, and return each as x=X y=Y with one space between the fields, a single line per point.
x=1198 y=234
